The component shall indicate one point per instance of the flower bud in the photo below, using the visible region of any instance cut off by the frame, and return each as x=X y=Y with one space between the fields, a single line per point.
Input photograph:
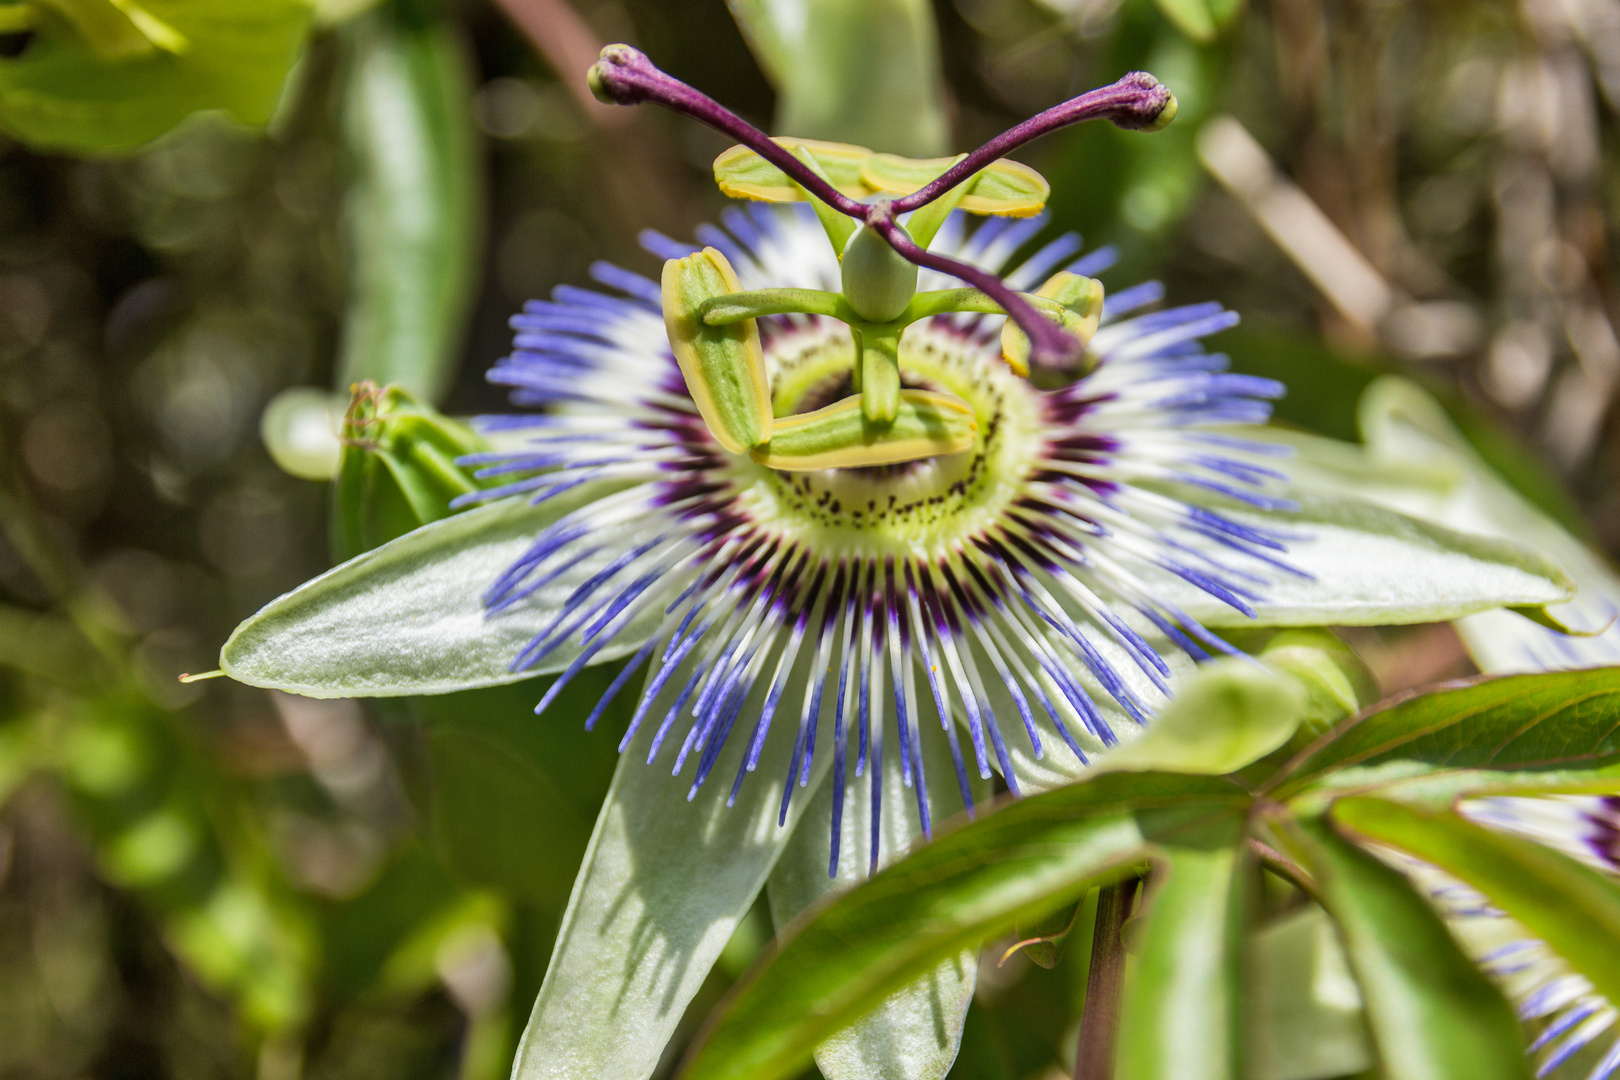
x=398 y=468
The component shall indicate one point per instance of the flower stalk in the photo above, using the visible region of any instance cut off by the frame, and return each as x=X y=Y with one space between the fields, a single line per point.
x=1099 y=1023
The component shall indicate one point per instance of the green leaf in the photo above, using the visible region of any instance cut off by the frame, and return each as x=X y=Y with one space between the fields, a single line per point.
x=1432 y=1014
x=1571 y=907
x=1013 y=866
x=1418 y=786
x=1199 y=19
x=1180 y=1014
x=1348 y=547
x=408 y=617
x=85 y=85
x=863 y=71
x=1533 y=722
x=1417 y=462
x=413 y=208
x=1401 y=423
x=1228 y=714
x=1307 y=1007
x=914 y=1033
x=665 y=882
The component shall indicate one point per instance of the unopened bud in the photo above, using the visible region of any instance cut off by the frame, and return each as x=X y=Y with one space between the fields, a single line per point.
x=398 y=469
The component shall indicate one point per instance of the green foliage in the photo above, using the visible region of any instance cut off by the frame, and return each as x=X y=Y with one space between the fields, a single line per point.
x=1570 y=906
x=1200 y=20
x=1430 y=1010
x=1181 y=1017
x=864 y=71
x=103 y=78
x=1022 y=862
x=414 y=207
x=1557 y=720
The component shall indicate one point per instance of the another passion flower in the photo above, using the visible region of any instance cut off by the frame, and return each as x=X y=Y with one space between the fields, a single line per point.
x=843 y=482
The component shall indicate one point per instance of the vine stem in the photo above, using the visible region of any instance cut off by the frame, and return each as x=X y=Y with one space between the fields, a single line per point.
x=1099 y=1022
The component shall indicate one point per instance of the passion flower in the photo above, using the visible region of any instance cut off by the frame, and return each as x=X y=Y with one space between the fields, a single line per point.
x=812 y=548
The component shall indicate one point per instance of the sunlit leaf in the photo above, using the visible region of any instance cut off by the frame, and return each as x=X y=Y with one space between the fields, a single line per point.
x=1559 y=720
x=68 y=91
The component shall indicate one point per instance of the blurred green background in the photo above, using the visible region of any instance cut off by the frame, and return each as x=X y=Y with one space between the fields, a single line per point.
x=201 y=880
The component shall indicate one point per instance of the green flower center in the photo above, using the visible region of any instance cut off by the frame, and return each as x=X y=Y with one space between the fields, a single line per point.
x=928 y=507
